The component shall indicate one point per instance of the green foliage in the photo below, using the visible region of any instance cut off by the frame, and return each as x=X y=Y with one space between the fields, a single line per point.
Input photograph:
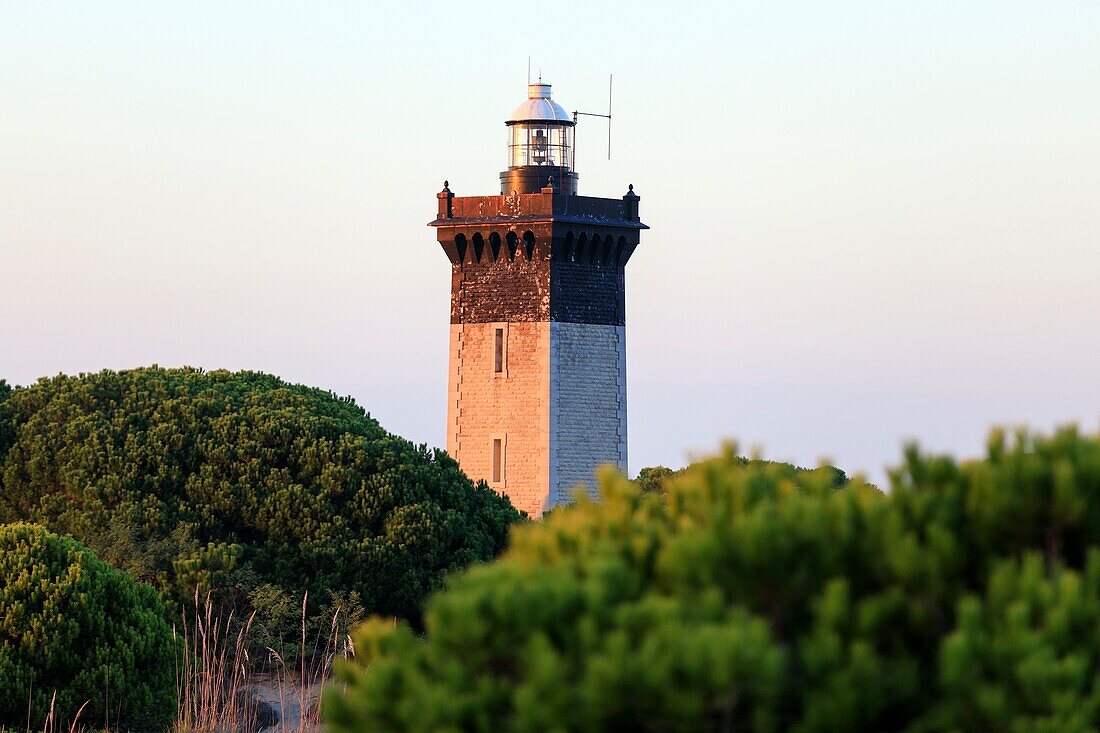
x=72 y=625
x=653 y=479
x=752 y=596
x=1023 y=657
x=6 y=433
x=242 y=483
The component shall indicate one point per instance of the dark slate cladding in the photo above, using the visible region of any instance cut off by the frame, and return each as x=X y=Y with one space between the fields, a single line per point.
x=585 y=293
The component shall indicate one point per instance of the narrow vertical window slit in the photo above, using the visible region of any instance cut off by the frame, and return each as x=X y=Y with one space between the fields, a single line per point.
x=498 y=460
x=498 y=350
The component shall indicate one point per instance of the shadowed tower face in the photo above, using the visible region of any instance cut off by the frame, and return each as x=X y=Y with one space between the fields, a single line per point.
x=537 y=380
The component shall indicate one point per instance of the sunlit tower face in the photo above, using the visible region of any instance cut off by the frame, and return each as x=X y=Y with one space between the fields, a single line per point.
x=540 y=145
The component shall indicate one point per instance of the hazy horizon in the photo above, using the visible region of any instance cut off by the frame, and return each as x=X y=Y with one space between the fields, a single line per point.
x=870 y=221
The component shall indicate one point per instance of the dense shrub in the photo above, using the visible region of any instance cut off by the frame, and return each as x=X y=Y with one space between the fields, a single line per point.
x=5 y=429
x=654 y=479
x=195 y=480
x=745 y=597
x=74 y=627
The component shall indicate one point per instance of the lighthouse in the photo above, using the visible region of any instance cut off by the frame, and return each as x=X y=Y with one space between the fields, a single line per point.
x=536 y=397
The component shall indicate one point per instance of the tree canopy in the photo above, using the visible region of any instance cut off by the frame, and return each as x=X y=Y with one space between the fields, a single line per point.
x=198 y=480
x=75 y=631
x=654 y=479
x=745 y=597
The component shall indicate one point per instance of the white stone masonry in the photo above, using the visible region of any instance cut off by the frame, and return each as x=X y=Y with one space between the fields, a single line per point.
x=587 y=405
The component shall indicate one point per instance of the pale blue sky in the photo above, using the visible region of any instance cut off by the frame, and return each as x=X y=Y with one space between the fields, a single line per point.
x=871 y=221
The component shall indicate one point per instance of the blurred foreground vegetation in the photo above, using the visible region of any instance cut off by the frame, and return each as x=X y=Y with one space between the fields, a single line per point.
x=752 y=596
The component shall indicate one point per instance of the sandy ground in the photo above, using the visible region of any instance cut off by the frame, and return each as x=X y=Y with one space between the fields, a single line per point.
x=288 y=702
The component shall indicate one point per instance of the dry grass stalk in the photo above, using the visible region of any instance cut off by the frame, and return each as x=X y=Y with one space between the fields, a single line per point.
x=216 y=685
x=214 y=675
x=314 y=669
x=52 y=723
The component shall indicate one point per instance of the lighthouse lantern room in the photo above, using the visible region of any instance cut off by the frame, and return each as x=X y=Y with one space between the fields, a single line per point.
x=540 y=145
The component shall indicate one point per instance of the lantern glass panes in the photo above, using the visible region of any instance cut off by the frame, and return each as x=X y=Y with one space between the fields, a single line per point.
x=540 y=143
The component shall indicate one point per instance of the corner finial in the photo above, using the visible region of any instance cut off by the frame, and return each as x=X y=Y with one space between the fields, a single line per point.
x=631 y=186
x=446 y=210
x=630 y=204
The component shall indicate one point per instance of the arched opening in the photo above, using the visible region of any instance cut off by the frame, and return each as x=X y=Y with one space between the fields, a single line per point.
x=578 y=253
x=494 y=246
x=513 y=245
x=608 y=243
x=529 y=245
x=620 y=247
x=594 y=249
x=479 y=247
x=567 y=249
x=460 y=247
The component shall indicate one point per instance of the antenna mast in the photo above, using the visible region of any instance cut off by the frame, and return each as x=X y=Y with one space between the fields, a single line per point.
x=610 y=78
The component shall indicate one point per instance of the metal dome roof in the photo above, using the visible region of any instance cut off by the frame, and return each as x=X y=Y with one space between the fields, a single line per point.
x=539 y=107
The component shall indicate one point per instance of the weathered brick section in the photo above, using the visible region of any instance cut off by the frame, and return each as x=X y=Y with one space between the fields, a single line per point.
x=516 y=290
x=513 y=406
x=587 y=404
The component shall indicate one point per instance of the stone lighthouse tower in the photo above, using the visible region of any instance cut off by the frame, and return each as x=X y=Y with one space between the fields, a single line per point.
x=537 y=396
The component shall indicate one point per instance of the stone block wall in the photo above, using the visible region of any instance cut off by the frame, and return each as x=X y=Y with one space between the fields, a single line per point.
x=513 y=406
x=587 y=404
